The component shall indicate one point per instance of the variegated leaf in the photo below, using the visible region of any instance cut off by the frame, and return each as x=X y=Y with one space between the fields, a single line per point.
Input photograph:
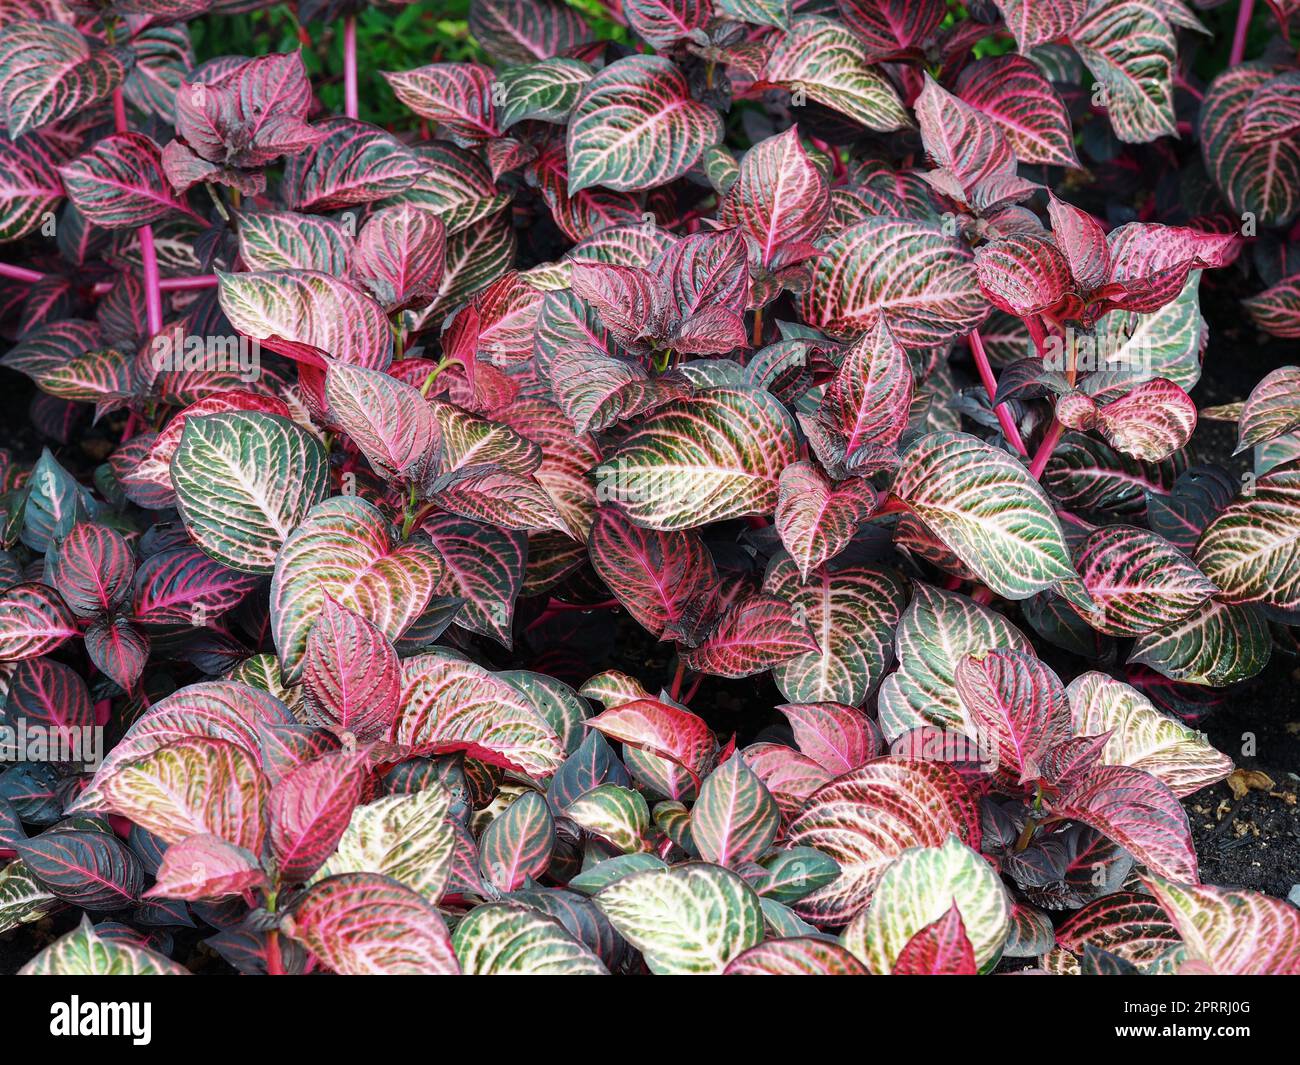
x=829 y=64
x=34 y=620
x=522 y=31
x=850 y=613
x=635 y=126
x=1013 y=92
x=1218 y=644
x=668 y=475
x=919 y=888
x=1231 y=933
x=1018 y=706
x=660 y=729
x=795 y=956
x=516 y=846
x=690 y=919
x=911 y=274
x=735 y=819
x=936 y=632
x=49 y=72
x=1141 y=736
x=758 y=632
x=244 y=481
x=1130 y=50
x=356 y=163
x=84 y=952
x=365 y=924
x=540 y=92
x=505 y=938
x=1276 y=310
x=343 y=549
x=817 y=518
x=119 y=183
x=867 y=818
x=987 y=509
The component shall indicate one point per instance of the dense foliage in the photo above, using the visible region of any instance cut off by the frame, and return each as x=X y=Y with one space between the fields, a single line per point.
x=842 y=346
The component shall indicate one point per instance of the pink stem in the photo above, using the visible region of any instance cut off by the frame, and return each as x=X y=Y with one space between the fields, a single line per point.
x=167 y=284
x=1244 y=11
x=1008 y=423
x=21 y=273
x=350 y=66
x=152 y=282
x=1045 y=450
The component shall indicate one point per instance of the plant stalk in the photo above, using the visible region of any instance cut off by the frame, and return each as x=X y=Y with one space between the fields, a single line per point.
x=1005 y=420
x=350 y=66
x=1244 y=10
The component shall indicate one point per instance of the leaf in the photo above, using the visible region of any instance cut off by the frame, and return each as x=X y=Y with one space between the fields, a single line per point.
x=504 y=938
x=1151 y=422
x=92 y=870
x=191 y=786
x=1024 y=274
x=540 y=92
x=1142 y=737
x=920 y=888
x=668 y=476
x=911 y=274
x=1271 y=410
x=484 y=566
x=1276 y=310
x=249 y=114
x=30 y=191
x=760 y=12
x=119 y=183
x=343 y=549
x=449 y=705
x=202 y=868
x=838 y=737
x=304 y=315
x=660 y=578
x=118 y=650
x=690 y=919
x=865 y=408
x=866 y=818
x=362 y=924
x=356 y=163
x=660 y=729
x=182 y=587
x=850 y=613
x=816 y=518
x=735 y=819
x=521 y=31
x=407 y=838
x=1019 y=705
x=34 y=620
x=457 y=96
x=987 y=509
x=1013 y=92
x=1130 y=50
x=832 y=66
x=285 y=240
x=616 y=814
x=244 y=481
x=941 y=948
x=92 y=568
x=662 y=23
x=1035 y=22
x=516 y=846
x=351 y=675
x=893 y=28
x=49 y=72
x=309 y=809
x=388 y=420
x=795 y=956
x=1231 y=933
x=757 y=633
x=935 y=633
x=779 y=199
x=84 y=952
x=1259 y=178
x=1251 y=551
x=635 y=126
x=1219 y=644
x=45 y=692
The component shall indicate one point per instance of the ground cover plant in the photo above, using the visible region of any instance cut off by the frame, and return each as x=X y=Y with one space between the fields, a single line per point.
x=705 y=486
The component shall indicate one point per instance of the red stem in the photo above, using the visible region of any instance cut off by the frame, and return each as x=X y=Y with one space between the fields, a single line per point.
x=21 y=273
x=1005 y=420
x=350 y=66
x=148 y=252
x=1045 y=450
x=274 y=963
x=1244 y=11
x=675 y=691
